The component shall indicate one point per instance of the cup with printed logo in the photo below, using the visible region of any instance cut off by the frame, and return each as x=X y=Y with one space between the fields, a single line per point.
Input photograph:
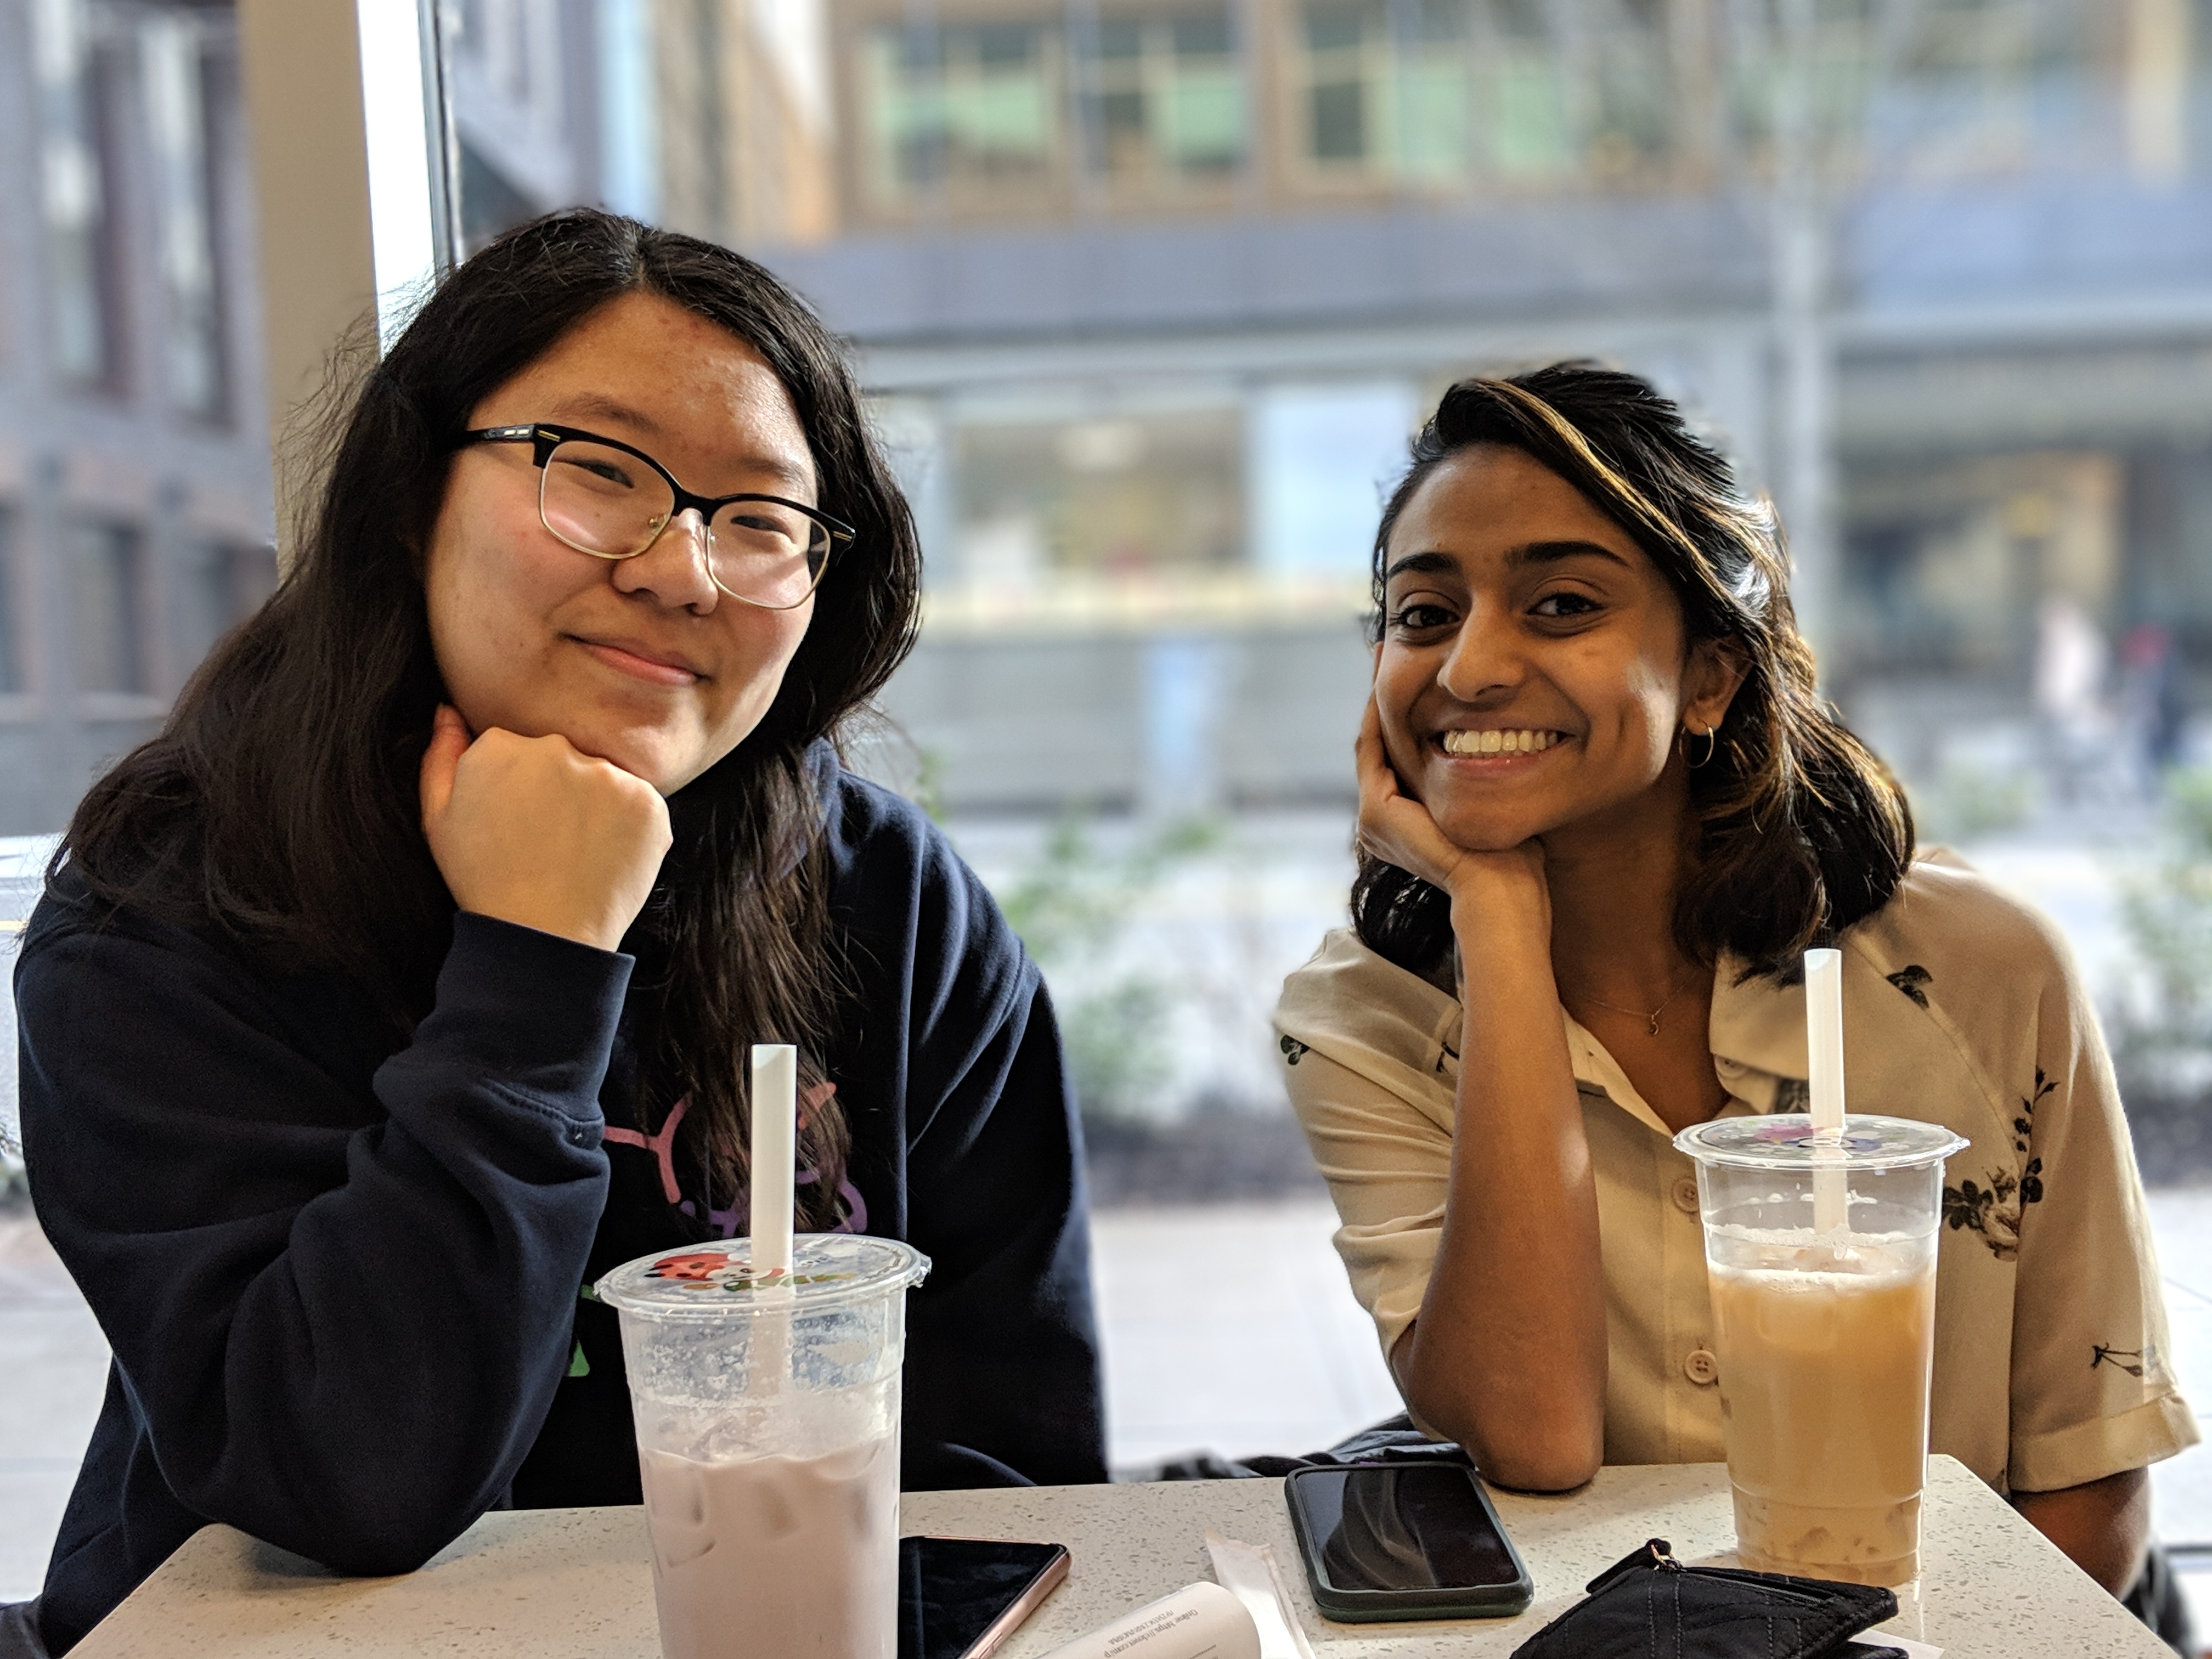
x=1821 y=1259
x=768 y=1437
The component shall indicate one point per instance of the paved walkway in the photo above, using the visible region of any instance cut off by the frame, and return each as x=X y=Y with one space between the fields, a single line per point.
x=55 y=1362
x=1227 y=1329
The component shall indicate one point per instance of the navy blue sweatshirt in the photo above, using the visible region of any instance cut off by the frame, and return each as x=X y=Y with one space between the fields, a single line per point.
x=341 y=1280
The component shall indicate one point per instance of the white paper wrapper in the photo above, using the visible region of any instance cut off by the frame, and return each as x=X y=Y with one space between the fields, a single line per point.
x=1199 y=1621
x=1251 y=1574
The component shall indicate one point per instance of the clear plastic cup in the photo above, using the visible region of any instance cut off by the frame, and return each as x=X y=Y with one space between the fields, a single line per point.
x=1825 y=1336
x=767 y=1435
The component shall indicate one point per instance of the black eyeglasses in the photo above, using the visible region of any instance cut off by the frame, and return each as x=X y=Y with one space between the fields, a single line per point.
x=612 y=500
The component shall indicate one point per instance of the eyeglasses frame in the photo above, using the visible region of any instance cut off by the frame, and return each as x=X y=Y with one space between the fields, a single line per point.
x=544 y=439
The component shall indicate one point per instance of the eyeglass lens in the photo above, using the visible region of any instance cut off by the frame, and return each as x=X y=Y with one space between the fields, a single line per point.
x=601 y=499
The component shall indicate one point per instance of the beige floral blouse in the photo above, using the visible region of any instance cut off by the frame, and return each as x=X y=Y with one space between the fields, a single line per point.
x=1961 y=1007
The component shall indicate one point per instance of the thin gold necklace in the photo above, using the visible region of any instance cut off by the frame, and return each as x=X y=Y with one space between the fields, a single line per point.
x=1651 y=1019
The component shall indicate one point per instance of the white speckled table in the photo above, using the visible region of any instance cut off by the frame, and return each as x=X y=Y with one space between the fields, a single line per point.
x=575 y=1583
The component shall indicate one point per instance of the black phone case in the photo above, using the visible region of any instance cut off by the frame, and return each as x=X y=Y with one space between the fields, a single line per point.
x=1387 y=1607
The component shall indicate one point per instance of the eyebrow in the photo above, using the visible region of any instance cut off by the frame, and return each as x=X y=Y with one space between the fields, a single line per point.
x=596 y=406
x=1555 y=552
x=1421 y=564
x=1529 y=553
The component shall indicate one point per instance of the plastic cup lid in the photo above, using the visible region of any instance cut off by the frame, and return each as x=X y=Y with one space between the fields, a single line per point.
x=715 y=1281
x=1788 y=1141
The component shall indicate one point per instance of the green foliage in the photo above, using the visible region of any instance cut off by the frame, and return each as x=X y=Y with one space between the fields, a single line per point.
x=929 y=783
x=2168 y=918
x=1071 y=905
x=2162 y=1042
x=1969 y=799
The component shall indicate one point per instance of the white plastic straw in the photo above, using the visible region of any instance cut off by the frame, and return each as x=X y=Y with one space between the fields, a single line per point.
x=775 y=1154
x=1824 y=1047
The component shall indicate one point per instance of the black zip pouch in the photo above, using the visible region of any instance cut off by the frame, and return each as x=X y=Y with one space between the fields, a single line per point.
x=1649 y=1606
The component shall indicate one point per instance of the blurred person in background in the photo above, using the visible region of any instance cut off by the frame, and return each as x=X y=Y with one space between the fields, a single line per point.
x=401 y=986
x=2154 y=700
x=1603 y=813
x=2072 y=663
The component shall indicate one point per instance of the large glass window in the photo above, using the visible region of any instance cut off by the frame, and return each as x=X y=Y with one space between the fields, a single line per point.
x=74 y=191
x=106 y=573
x=219 y=584
x=1169 y=95
x=966 y=112
x=174 y=67
x=12 y=679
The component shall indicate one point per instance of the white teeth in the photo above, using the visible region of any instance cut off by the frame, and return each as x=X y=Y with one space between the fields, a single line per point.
x=1521 y=742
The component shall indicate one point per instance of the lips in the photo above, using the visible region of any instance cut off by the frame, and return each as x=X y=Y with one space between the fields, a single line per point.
x=657 y=665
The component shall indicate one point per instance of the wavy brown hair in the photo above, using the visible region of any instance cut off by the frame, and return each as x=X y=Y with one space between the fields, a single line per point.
x=278 y=808
x=1800 y=831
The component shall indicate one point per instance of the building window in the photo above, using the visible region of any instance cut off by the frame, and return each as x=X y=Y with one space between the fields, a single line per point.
x=73 y=192
x=220 y=585
x=974 y=109
x=12 y=678
x=1169 y=96
x=1388 y=88
x=1144 y=497
x=1437 y=93
x=1346 y=57
x=174 y=67
x=107 y=578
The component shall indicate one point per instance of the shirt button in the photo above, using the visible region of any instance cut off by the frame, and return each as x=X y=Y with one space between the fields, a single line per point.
x=1684 y=1195
x=1703 y=1367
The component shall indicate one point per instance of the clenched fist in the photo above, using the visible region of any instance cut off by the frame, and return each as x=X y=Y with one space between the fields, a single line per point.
x=530 y=830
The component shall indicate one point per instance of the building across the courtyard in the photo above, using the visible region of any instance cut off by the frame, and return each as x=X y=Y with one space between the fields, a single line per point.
x=1149 y=293
x=134 y=453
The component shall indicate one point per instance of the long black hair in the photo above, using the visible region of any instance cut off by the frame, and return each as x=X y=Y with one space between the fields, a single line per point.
x=1801 y=832
x=278 y=807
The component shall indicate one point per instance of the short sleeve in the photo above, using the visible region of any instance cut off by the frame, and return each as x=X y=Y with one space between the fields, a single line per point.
x=2094 y=1392
x=1387 y=1162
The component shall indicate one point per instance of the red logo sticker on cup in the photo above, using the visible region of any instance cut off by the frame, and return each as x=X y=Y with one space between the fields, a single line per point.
x=717 y=1270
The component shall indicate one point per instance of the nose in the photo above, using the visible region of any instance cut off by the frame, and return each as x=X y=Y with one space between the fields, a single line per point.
x=1485 y=661
x=673 y=571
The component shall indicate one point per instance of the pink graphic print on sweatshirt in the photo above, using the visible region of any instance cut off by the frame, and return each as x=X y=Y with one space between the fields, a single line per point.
x=728 y=1224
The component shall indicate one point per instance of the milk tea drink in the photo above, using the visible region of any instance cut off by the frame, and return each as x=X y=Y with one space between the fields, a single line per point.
x=1824 y=1388
x=732 y=1539
x=767 y=1415
x=1825 y=1337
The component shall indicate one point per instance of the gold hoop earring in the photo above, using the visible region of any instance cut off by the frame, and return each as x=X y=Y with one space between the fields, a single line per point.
x=1713 y=742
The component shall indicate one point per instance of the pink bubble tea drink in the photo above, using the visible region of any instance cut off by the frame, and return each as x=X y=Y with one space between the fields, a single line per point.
x=768 y=1432
x=1825 y=1334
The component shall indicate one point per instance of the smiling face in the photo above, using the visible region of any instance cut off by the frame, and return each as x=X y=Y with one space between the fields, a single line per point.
x=643 y=662
x=1534 y=669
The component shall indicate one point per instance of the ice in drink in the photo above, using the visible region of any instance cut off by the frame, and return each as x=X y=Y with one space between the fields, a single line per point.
x=1825 y=1353
x=767 y=1406
x=777 y=1557
x=1820 y=1260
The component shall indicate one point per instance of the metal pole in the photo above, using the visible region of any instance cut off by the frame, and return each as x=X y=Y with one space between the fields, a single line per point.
x=1804 y=353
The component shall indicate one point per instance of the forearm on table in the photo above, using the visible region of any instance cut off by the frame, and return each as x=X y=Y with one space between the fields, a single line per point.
x=2103 y=1526
x=1508 y=1355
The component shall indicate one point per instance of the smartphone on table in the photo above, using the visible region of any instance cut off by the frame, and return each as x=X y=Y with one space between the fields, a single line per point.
x=959 y=1598
x=1405 y=1540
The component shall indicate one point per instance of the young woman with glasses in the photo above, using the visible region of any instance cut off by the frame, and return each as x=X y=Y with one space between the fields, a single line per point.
x=404 y=984
x=1603 y=812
